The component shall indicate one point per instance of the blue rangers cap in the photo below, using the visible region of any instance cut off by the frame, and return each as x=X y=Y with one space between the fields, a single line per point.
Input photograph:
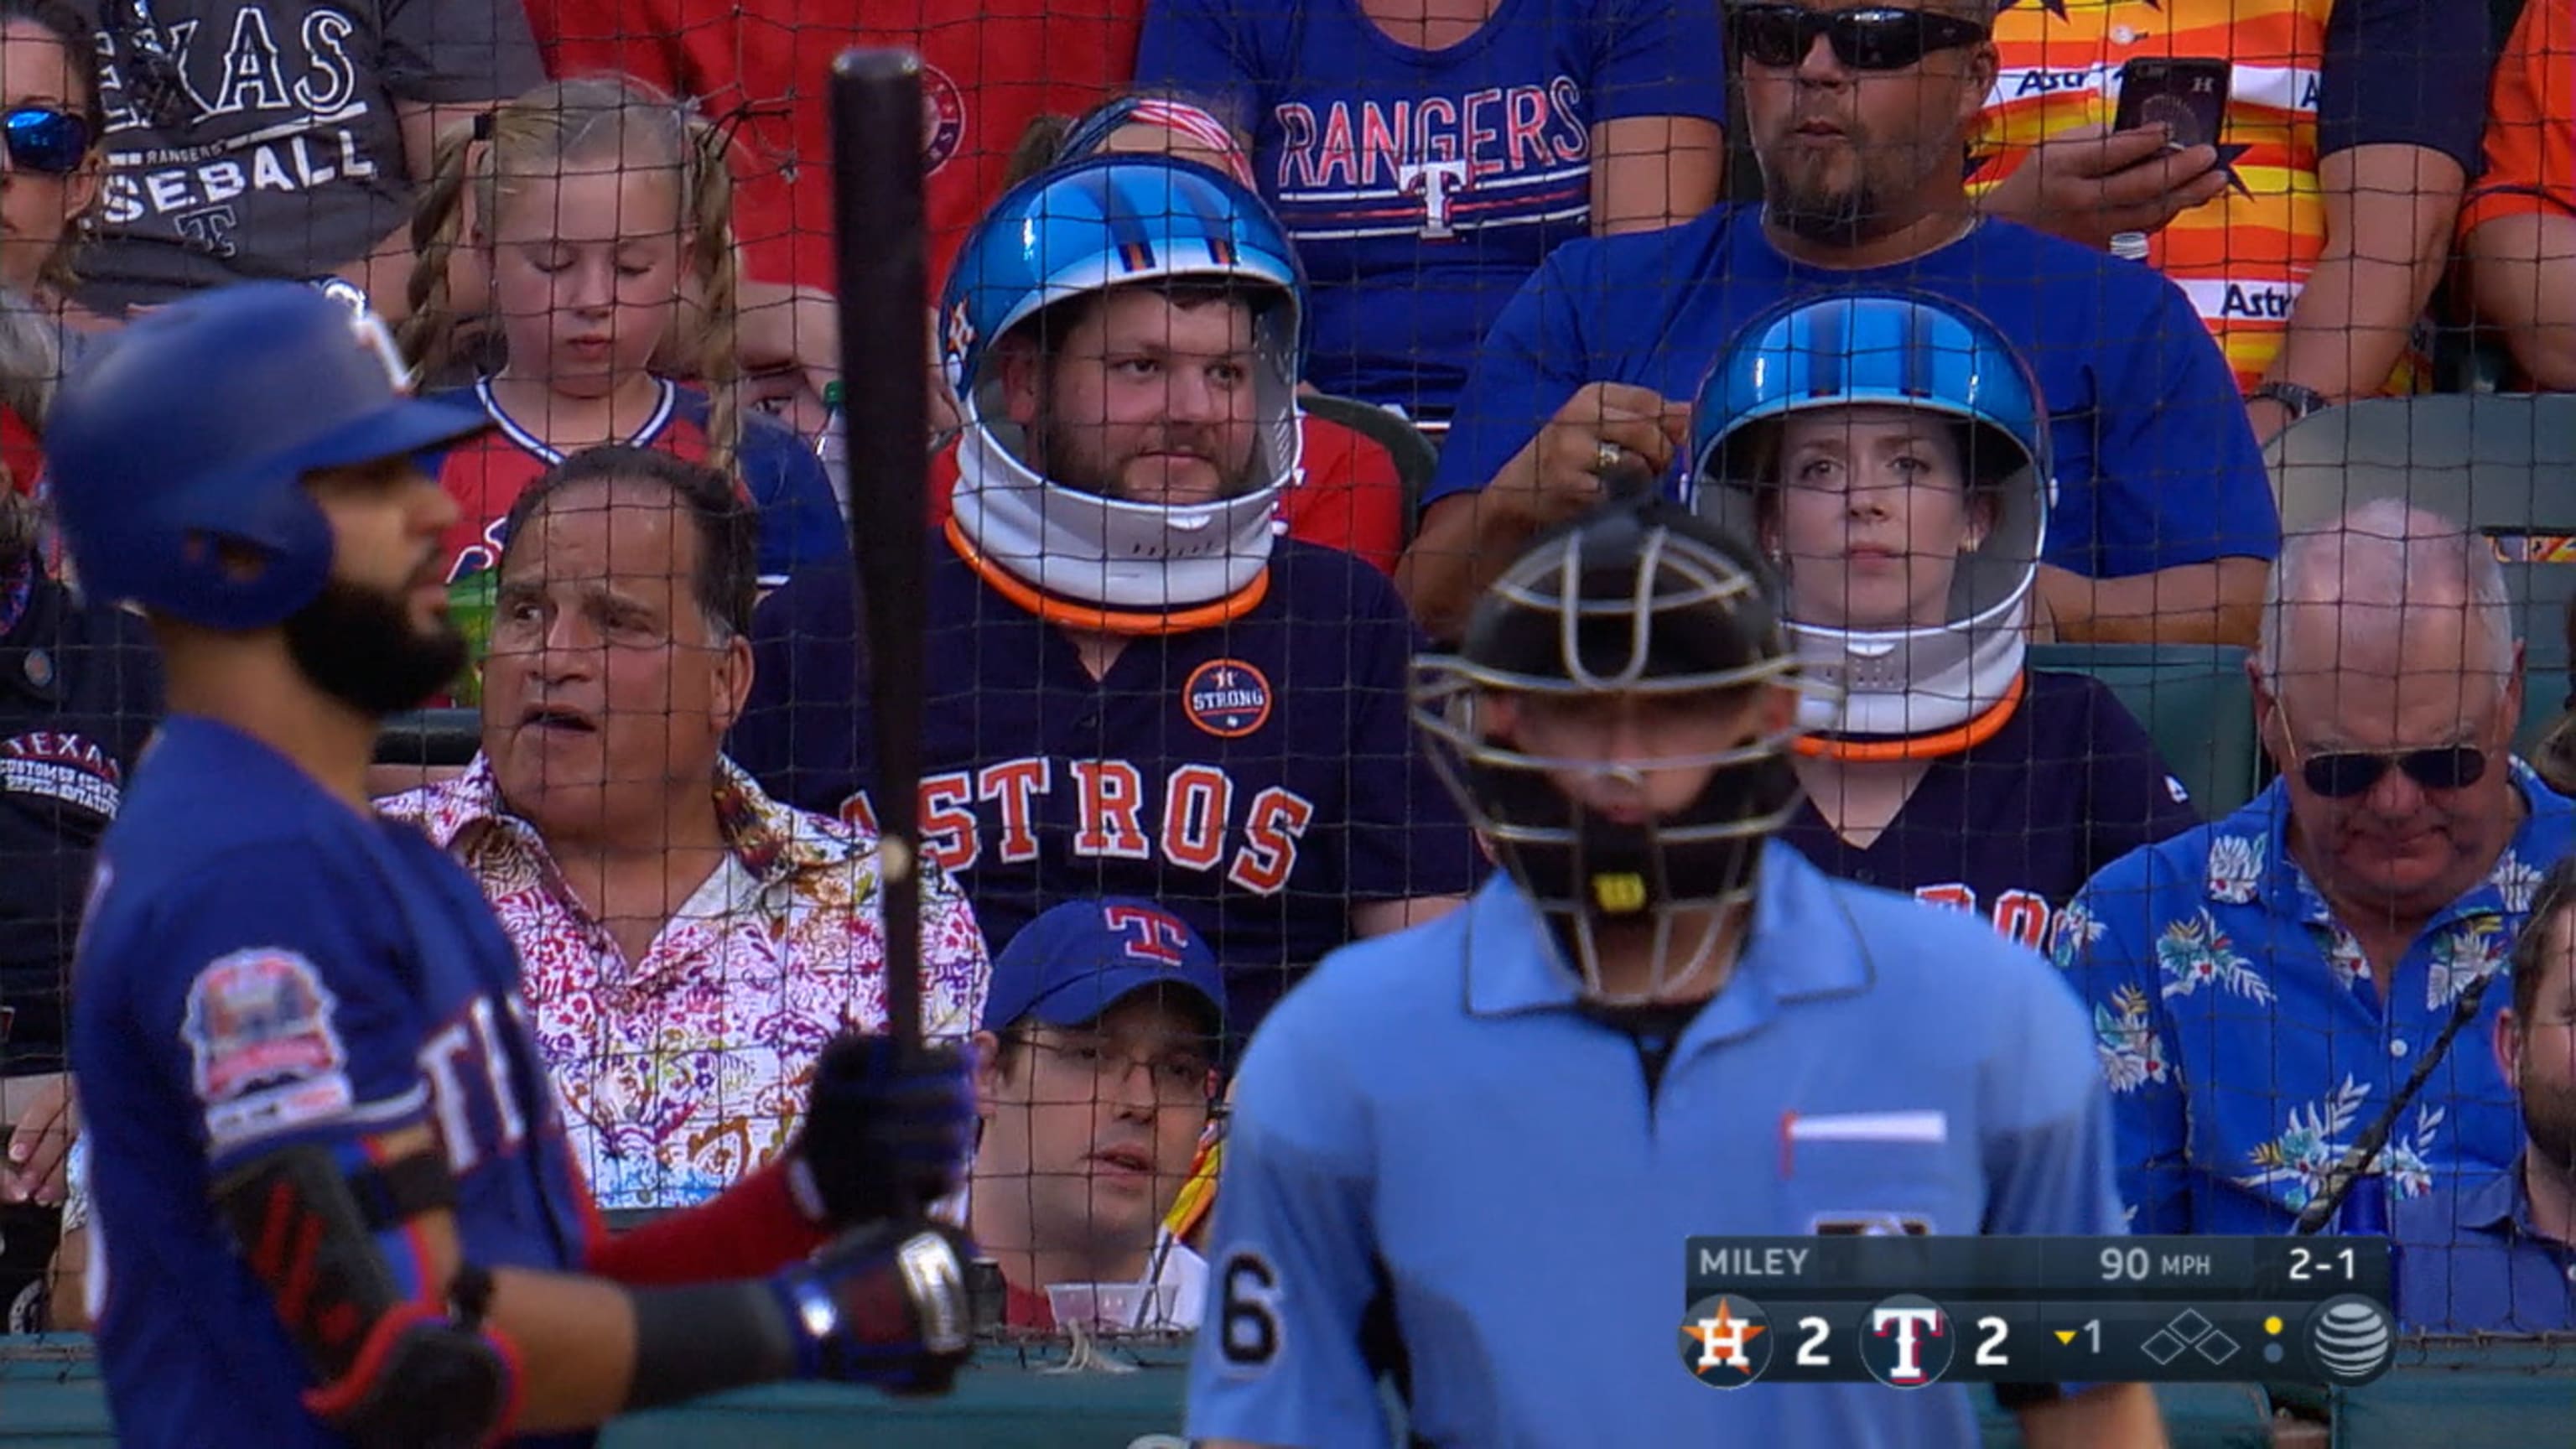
x=1076 y=961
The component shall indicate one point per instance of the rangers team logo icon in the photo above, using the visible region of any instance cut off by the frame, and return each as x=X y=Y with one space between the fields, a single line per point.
x=1726 y=1341
x=1227 y=698
x=943 y=118
x=257 y=1018
x=1907 y=1342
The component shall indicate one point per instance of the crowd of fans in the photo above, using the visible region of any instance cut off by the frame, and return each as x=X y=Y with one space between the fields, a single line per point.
x=1155 y=797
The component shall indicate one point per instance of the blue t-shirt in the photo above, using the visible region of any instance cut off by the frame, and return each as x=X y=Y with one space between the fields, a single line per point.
x=1432 y=1124
x=2156 y=465
x=2247 y=1041
x=1422 y=186
x=2470 y=1260
x=263 y=965
x=1257 y=777
x=2011 y=827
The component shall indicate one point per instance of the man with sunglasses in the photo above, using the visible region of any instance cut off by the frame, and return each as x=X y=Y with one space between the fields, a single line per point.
x=2262 y=987
x=1860 y=118
x=1095 y=1077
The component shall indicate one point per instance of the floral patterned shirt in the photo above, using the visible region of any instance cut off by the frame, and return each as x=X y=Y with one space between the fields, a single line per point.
x=686 y=1070
x=2247 y=1042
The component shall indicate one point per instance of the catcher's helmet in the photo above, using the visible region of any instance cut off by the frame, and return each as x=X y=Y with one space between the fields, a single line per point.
x=178 y=449
x=1636 y=598
x=1905 y=689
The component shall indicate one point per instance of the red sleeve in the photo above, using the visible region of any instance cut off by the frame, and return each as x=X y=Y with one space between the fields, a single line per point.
x=1352 y=497
x=586 y=37
x=20 y=453
x=942 y=486
x=754 y=1228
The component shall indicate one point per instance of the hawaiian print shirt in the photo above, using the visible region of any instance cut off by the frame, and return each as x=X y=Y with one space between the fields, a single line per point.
x=2246 y=1041
x=684 y=1071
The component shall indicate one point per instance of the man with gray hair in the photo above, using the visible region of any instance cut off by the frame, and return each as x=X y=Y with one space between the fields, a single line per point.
x=2263 y=986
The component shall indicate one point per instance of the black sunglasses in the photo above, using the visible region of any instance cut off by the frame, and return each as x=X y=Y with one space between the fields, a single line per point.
x=2344 y=774
x=1870 y=37
x=44 y=140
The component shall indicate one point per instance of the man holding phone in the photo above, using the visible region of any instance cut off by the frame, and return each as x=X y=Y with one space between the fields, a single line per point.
x=2309 y=224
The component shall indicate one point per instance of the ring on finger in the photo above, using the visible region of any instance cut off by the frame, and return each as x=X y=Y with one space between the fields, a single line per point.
x=1606 y=455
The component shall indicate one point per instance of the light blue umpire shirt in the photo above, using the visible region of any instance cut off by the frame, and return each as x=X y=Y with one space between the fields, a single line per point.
x=1429 y=1116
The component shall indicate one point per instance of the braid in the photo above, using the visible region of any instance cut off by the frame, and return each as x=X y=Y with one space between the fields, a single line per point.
x=708 y=183
x=437 y=221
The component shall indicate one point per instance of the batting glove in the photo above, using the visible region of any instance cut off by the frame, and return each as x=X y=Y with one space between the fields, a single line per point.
x=884 y=1137
x=884 y=1306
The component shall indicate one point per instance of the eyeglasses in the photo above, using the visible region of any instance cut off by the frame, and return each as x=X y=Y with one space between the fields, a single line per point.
x=2346 y=773
x=1181 y=1079
x=44 y=140
x=1869 y=37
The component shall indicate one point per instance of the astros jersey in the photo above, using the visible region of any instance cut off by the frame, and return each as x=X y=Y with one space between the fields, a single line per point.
x=2013 y=826
x=2308 y=77
x=1422 y=186
x=800 y=523
x=1432 y=1118
x=2156 y=466
x=263 y=965
x=757 y=69
x=1258 y=777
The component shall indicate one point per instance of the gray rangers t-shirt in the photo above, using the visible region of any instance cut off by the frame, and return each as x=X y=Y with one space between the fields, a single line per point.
x=282 y=155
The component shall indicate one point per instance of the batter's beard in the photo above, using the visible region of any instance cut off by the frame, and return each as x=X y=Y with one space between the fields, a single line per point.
x=2549 y=1120
x=359 y=646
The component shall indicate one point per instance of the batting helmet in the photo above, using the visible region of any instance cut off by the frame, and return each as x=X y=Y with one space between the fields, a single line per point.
x=1906 y=689
x=1638 y=598
x=179 y=448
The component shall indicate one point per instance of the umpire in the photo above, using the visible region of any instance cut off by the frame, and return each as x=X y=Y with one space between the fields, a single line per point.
x=80 y=688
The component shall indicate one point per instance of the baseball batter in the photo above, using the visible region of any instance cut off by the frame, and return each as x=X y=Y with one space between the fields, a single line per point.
x=332 y=1199
x=1468 y=1156
x=1134 y=686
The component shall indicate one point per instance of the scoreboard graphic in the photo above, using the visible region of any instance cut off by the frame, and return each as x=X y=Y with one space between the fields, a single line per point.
x=1912 y=1311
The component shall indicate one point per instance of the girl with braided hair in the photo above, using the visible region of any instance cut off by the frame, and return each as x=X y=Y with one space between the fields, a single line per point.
x=602 y=214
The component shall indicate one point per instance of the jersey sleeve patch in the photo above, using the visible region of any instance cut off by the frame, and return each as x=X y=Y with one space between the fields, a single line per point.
x=266 y=1057
x=1250 y=1328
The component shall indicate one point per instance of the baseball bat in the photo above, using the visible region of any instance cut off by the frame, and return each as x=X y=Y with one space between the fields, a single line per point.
x=877 y=208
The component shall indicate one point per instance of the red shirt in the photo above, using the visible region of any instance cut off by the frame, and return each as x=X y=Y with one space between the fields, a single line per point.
x=987 y=71
x=20 y=453
x=1349 y=497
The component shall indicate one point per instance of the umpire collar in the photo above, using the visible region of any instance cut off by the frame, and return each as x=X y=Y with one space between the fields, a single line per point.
x=1801 y=946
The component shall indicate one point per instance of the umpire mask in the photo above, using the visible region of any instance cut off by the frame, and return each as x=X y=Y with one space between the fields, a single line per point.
x=1637 y=607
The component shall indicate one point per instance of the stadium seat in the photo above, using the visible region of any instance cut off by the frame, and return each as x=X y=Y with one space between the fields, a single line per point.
x=2503 y=463
x=1415 y=457
x=2194 y=700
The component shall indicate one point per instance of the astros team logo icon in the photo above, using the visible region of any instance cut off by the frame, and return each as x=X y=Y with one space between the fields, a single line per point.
x=943 y=118
x=1227 y=698
x=1907 y=1342
x=1726 y=1341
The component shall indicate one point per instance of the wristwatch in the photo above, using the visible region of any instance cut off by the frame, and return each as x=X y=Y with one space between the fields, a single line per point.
x=2297 y=401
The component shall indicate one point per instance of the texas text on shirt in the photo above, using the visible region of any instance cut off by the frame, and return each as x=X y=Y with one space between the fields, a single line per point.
x=2156 y=467
x=1432 y=1117
x=2013 y=826
x=800 y=524
x=756 y=66
x=1258 y=777
x=264 y=965
x=2245 y=1041
x=1422 y=187
x=684 y=1071
x=2469 y=1260
x=286 y=156
x=2307 y=79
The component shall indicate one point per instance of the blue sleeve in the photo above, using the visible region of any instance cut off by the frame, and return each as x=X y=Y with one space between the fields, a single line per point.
x=1199 y=49
x=2103 y=943
x=800 y=522
x=281 y=1009
x=1406 y=837
x=1659 y=58
x=2047 y=1155
x=1532 y=359
x=1278 y=1359
x=2178 y=476
x=2406 y=72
